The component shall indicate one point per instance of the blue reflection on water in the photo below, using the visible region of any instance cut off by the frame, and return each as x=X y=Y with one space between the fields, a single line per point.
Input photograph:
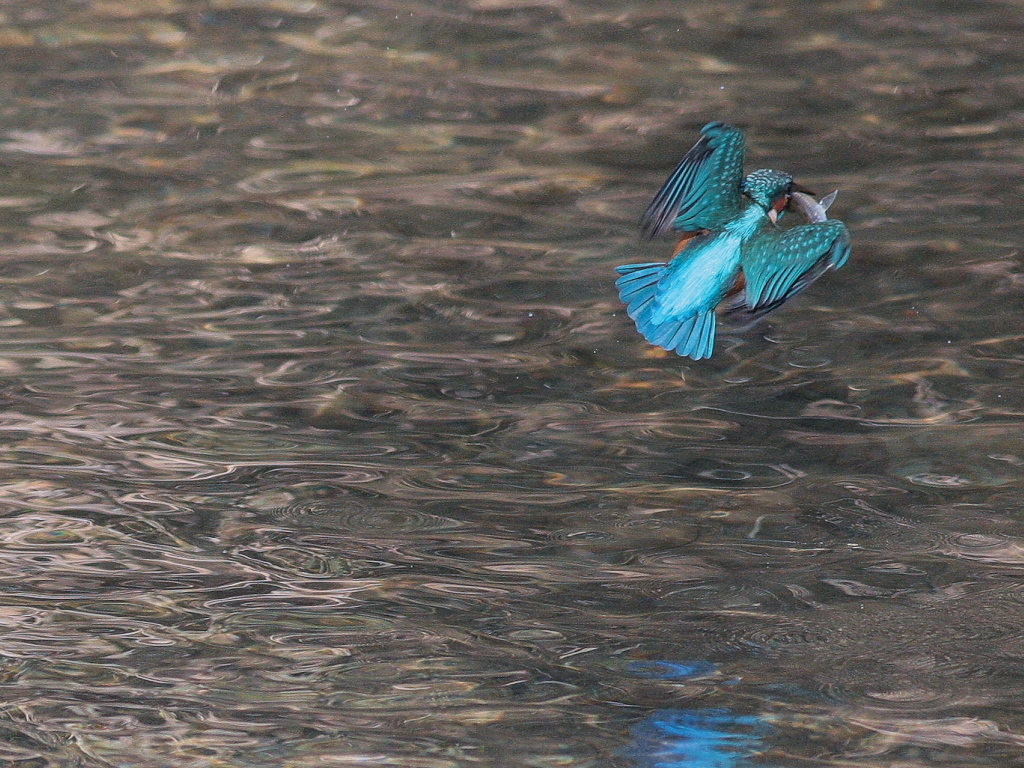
x=693 y=738
x=671 y=670
x=697 y=738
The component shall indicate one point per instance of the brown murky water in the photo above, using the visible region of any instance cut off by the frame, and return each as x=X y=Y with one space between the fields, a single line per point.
x=325 y=440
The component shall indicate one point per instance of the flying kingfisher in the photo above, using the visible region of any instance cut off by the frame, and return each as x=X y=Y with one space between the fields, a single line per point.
x=731 y=245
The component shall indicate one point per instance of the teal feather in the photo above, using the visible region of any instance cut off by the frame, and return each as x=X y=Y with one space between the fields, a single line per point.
x=778 y=265
x=703 y=191
x=673 y=304
x=638 y=284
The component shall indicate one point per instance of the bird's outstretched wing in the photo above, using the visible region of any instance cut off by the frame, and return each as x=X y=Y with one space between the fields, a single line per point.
x=703 y=191
x=778 y=265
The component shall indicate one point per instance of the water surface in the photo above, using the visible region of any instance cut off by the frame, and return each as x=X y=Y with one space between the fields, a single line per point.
x=325 y=440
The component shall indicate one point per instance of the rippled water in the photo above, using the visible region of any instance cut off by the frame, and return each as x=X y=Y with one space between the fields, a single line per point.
x=326 y=441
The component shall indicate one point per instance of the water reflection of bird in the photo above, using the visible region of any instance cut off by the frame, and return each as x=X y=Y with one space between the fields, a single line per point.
x=698 y=738
x=730 y=243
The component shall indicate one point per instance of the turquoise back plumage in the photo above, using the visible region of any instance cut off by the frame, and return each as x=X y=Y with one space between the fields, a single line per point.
x=703 y=191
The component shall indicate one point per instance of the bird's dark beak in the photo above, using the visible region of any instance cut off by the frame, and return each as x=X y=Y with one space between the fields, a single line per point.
x=794 y=187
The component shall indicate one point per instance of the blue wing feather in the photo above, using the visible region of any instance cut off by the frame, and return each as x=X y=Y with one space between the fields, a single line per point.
x=777 y=266
x=704 y=190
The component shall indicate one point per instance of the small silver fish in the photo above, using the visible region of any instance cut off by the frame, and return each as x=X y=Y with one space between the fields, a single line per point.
x=812 y=209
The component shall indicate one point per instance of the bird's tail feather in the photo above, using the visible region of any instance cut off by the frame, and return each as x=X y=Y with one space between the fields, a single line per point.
x=638 y=284
x=692 y=336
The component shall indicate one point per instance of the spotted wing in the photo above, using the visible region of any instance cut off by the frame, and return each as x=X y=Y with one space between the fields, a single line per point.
x=778 y=265
x=703 y=191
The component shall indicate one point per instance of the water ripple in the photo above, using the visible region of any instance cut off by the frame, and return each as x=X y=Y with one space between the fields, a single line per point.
x=326 y=440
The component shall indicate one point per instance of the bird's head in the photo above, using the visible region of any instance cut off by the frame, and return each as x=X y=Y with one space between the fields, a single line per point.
x=771 y=190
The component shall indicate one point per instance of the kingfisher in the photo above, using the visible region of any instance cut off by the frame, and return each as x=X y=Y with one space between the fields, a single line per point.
x=730 y=246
